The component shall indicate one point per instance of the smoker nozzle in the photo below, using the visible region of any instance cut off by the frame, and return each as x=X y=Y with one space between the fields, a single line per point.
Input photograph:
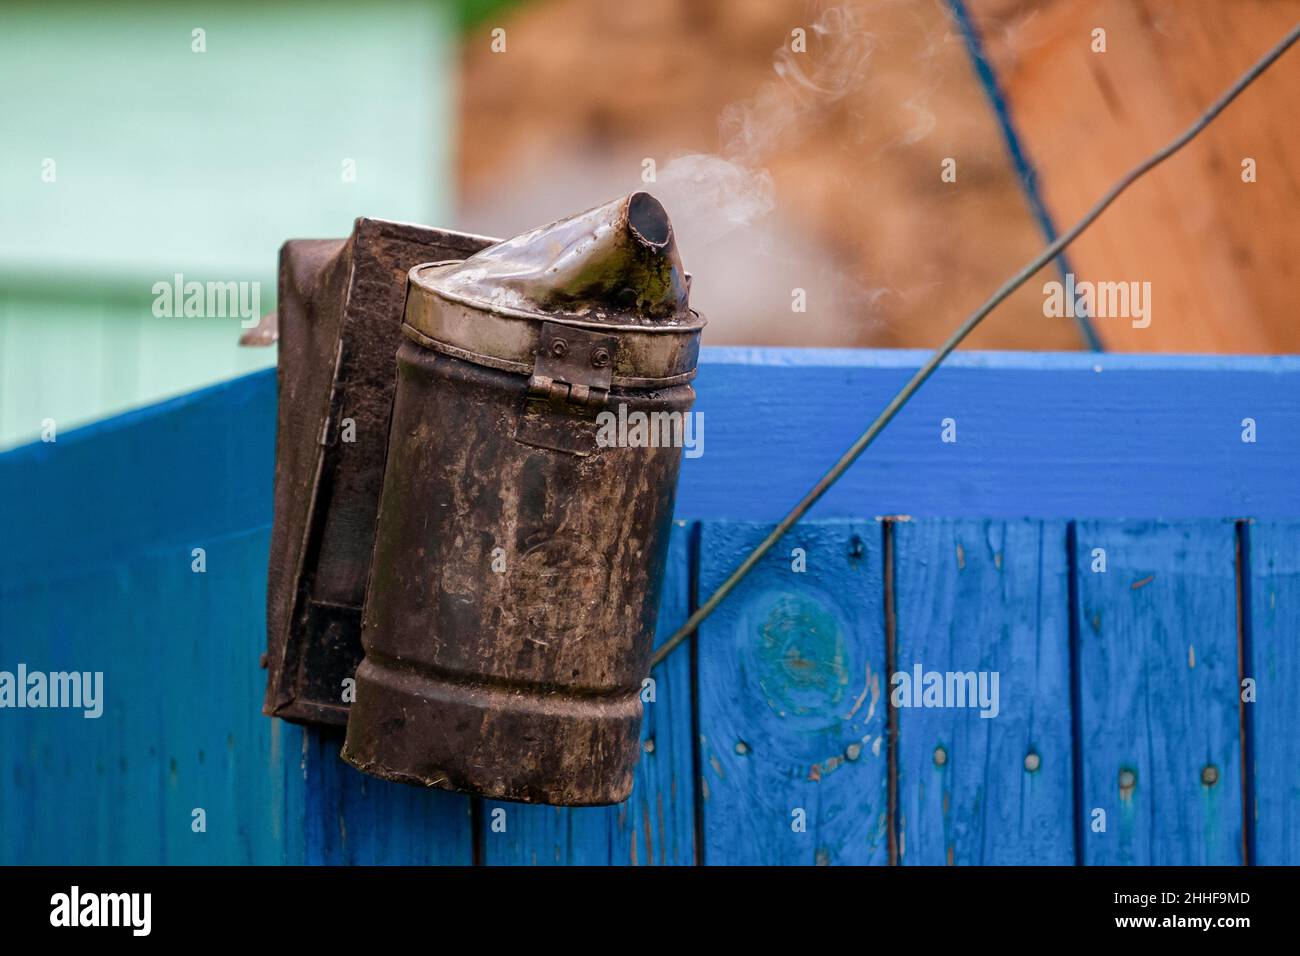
x=617 y=262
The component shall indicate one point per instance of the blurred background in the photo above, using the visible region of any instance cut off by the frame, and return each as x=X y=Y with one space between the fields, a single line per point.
x=798 y=146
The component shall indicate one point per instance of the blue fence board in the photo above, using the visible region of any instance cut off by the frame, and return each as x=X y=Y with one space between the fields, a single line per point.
x=349 y=818
x=1159 y=706
x=985 y=597
x=792 y=698
x=205 y=629
x=195 y=467
x=1273 y=718
x=1044 y=436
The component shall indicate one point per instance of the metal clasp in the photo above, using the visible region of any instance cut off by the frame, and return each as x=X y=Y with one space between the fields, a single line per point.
x=572 y=371
x=573 y=366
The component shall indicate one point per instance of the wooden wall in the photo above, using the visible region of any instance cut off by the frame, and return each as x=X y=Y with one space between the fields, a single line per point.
x=1220 y=253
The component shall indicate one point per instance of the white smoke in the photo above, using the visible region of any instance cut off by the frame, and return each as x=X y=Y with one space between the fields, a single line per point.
x=709 y=196
x=748 y=252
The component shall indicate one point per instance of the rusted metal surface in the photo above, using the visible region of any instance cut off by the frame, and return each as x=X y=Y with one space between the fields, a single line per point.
x=518 y=561
x=339 y=319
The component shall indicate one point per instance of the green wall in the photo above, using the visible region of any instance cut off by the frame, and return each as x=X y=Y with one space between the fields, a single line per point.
x=172 y=161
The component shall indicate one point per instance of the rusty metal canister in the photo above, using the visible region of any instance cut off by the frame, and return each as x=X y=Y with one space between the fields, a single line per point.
x=519 y=555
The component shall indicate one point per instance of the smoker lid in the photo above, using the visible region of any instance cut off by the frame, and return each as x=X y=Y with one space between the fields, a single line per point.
x=613 y=266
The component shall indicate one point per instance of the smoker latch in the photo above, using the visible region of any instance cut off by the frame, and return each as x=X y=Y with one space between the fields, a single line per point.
x=573 y=366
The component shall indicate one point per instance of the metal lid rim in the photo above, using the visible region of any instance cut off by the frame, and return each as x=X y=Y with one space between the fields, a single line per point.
x=508 y=313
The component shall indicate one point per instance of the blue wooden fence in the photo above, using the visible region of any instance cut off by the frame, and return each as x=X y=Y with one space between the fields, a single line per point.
x=771 y=738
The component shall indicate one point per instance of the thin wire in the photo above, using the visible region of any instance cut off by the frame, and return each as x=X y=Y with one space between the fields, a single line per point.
x=932 y=363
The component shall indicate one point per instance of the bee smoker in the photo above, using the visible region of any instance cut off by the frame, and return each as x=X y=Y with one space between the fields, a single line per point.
x=515 y=578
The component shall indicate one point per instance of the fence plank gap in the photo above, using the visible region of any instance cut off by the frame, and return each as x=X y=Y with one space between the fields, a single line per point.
x=891 y=665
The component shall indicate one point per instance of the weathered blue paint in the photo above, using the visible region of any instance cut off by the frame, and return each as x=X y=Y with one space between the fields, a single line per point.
x=97 y=532
x=985 y=597
x=162 y=477
x=792 y=712
x=1041 y=436
x=1158 y=692
x=1273 y=663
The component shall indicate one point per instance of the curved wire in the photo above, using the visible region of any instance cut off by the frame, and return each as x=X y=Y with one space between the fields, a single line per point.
x=932 y=363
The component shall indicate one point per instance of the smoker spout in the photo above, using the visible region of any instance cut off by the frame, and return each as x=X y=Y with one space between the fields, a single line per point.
x=617 y=262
